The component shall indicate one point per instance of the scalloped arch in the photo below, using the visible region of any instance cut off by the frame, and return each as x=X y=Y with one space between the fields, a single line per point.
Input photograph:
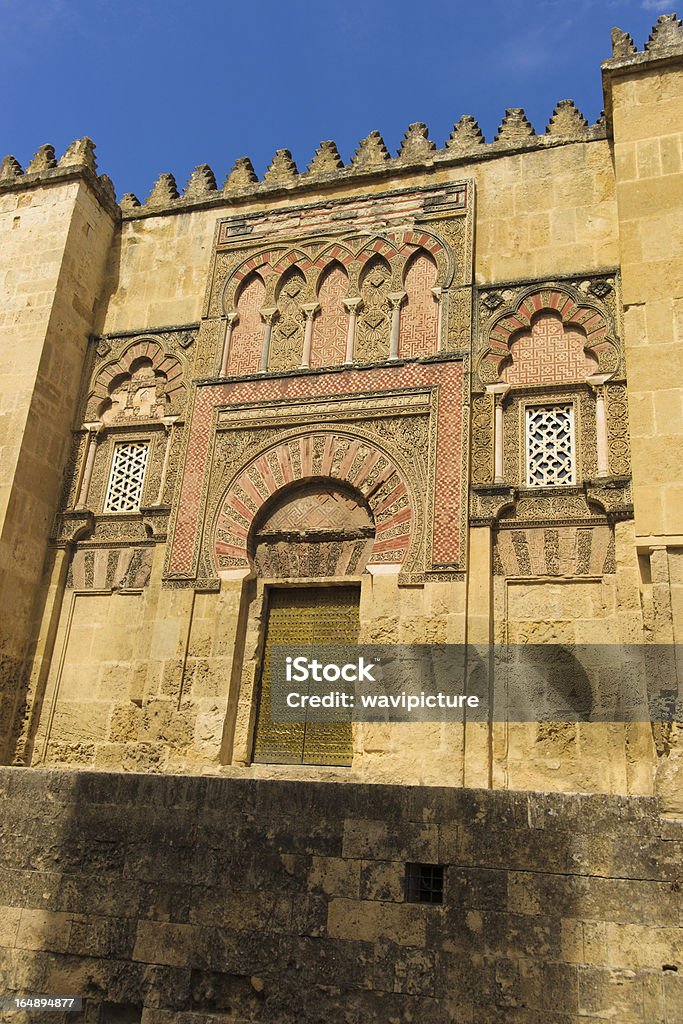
x=140 y=348
x=572 y=310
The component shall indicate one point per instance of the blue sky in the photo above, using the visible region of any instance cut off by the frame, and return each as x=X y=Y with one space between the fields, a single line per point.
x=163 y=85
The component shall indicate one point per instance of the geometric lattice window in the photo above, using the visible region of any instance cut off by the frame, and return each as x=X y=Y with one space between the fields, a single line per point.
x=127 y=475
x=550 y=456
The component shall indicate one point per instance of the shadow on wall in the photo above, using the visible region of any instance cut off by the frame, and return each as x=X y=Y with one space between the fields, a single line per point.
x=258 y=901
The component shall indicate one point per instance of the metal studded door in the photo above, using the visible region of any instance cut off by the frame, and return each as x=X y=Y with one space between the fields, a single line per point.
x=309 y=615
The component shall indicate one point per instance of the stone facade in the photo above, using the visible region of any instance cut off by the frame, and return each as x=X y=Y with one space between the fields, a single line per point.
x=349 y=375
x=429 y=399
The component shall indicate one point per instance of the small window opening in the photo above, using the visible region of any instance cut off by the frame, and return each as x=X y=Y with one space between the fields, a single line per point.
x=424 y=883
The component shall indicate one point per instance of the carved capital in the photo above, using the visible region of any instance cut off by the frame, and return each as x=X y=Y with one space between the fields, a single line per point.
x=310 y=309
x=352 y=305
x=499 y=392
x=396 y=298
x=268 y=315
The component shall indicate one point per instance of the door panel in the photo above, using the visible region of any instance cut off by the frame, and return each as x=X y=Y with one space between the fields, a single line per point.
x=306 y=615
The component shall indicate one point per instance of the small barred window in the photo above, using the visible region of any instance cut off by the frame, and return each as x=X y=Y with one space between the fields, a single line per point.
x=127 y=475
x=550 y=446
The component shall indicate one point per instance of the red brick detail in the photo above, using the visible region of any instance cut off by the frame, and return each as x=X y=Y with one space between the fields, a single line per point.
x=247 y=335
x=290 y=259
x=285 y=464
x=334 y=253
x=549 y=353
x=261 y=261
x=445 y=378
x=330 y=327
x=267 y=474
x=395 y=543
x=364 y=471
x=572 y=316
x=419 y=240
x=377 y=246
x=239 y=506
x=399 y=517
x=419 y=314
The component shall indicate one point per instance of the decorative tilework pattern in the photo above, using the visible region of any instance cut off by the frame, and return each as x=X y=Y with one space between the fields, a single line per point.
x=550 y=353
x=247 y=334
x=582 y=320
x=445 y=378
x=331 y=324
x=419 y=314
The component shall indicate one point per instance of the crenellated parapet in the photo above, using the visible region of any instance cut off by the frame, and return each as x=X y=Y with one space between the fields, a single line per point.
x=371 y=159
x=45 y=169
x=665 y=41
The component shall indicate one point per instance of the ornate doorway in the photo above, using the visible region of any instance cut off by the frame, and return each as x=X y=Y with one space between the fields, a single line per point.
x=317 y=531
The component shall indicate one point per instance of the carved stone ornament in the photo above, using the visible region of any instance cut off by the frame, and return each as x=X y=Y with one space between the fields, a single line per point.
x=326 y=160
x=466 y=135
x=44 y=160
x=241 y=176
x=577 y=308
x=371 y=153
x=202 y=183
x=622 y=44
x=667 y=34
x=10 y=169
x=416 y=145
x=567 y=121
x=282 y=170
x=515 y=127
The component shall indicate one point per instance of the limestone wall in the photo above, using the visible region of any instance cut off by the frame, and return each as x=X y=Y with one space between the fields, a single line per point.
x=55 y=240
x=645 y=92
x=648 y=128
x=170 y=901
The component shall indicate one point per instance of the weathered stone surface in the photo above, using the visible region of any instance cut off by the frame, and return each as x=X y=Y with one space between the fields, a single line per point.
x=178 y=899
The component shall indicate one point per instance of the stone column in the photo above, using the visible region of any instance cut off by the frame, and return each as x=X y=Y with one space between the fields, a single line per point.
x=351 y=307
x=230 y=320
x=438 y=293
x=310 y=309
x=268 y=317
x=168 y=422
x=499 y=391
x=395 y=300
x=86 y=475
x=479 y=736
x=597 y=382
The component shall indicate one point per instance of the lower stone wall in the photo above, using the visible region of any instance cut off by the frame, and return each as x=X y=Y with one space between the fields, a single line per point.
x=222 y=901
